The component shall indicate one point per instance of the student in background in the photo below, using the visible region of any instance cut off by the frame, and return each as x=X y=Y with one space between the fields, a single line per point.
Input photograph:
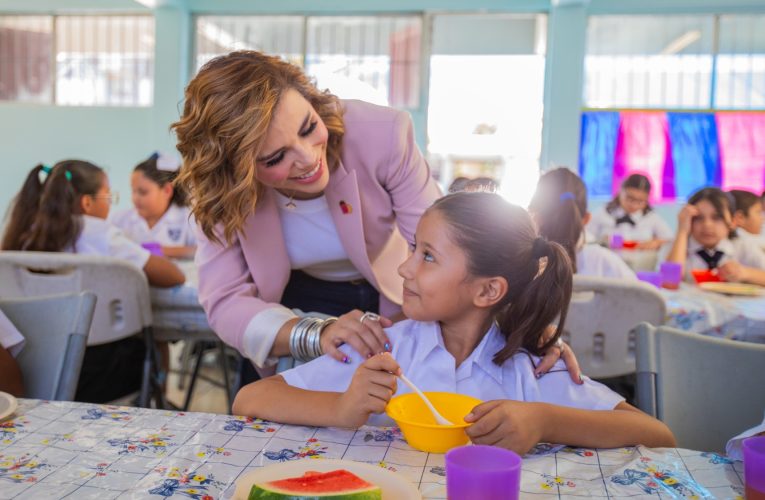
x=11 y=342
x=480 y=288
x=64 y=209
x=706 y=239
x=159 y=214
x=559 y=207
x=748 y=214
x=630 y=215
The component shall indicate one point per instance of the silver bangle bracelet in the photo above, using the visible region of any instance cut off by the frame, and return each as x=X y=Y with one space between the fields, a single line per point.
x=305 y=338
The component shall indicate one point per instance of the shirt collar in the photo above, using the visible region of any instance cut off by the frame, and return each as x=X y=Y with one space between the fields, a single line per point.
x=725 y=246
x=430 y=339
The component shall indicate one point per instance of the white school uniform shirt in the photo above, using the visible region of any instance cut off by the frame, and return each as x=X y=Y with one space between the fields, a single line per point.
x=419 y=349
x=743 y=250
x=647 y=226
x=594 y=260
x=173 y=229
x=99 y=237
x=10 y=337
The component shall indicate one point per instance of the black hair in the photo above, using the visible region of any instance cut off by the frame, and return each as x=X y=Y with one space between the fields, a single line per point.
x=723 y=203
x=160 y=177
x=499 y=239
x=744 y=200
x=634 y=181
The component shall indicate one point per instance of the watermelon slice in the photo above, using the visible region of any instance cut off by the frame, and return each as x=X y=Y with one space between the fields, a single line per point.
x=334 y=485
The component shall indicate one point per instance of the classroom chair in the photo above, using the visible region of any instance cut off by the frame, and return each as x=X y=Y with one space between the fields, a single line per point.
x=123 y=308
x=55 y=330
x=600 y=320
x=706 y=389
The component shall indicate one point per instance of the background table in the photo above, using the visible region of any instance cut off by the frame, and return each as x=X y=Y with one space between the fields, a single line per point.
x=77 y=450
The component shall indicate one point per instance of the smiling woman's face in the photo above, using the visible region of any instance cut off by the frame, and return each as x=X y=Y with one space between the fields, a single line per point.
x=293 y=158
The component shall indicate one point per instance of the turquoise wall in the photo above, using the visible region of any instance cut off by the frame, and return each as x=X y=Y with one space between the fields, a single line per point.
x=118 y=138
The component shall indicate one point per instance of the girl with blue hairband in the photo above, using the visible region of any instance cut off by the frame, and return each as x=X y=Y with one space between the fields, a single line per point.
x=559 y=208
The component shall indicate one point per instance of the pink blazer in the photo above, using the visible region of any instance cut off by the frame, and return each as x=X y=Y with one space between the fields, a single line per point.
x=387 y=183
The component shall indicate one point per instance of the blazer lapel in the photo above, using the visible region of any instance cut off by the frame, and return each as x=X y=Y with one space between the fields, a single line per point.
x=344 y=201
x=264 y=249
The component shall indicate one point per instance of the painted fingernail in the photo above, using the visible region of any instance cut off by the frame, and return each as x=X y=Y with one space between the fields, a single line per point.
x=369 y=355
x=538 y=375
x=581 y=380
x=387 y=346
x=346 y=360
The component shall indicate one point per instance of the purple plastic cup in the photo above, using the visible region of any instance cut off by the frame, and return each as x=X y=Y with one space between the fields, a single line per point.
x=154 y=248
x=485 y=472
x=616 y=241
x=671 y=275
x=651 y=277
x=754 y=467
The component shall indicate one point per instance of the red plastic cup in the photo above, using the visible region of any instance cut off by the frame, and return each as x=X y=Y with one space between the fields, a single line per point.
x=485 y=472
x=754 y=467
x=630 y=244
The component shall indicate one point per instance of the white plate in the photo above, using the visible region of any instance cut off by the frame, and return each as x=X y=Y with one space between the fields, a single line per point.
x=394 y=486
x=8 y=405
x=744 y=289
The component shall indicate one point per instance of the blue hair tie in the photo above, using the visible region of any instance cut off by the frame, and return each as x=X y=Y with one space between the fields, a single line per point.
x=154 y=155
x=46 y=169
x=568 y=195
x=68 y=175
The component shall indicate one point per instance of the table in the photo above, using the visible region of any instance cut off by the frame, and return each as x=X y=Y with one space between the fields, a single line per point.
x=59 y=449
x=696 y=310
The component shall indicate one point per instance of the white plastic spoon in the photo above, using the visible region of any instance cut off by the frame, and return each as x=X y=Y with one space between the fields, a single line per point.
x=439 y=418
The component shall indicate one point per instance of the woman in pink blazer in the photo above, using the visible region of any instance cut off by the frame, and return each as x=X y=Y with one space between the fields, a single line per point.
x=302 y=201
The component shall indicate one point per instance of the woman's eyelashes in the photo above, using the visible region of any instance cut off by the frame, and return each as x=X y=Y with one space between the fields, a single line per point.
x=305 y=133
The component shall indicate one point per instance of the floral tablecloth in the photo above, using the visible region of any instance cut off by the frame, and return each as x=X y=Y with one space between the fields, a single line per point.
x=77 y=450
x=695 y=310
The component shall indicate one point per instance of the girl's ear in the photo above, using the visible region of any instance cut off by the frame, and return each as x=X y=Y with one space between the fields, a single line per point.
x=586 y=218
x=86 y=203
x=167 y=189
x=491 y=291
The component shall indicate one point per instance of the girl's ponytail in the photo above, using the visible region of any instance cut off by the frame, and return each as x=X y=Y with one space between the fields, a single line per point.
x=24 y=208
x=534 y=306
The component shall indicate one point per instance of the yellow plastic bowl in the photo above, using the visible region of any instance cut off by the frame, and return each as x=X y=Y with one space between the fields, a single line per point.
x=420 y=428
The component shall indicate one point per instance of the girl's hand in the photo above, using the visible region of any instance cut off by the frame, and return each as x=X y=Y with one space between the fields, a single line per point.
x=372 y=386
x=514 y=425
x=732 y=271
x=556 y=352
x=685 y=218
x=367 y=338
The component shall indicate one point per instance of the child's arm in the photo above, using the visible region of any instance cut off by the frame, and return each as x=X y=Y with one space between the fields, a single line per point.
x=733 y=271
x=679 y=250
x=10 y=374
x=519 y=426
x=372 y=386
x=162 y=273
x=653 y=244
x=185 y=252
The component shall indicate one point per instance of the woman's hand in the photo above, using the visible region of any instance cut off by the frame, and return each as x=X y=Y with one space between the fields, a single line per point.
x=372 y=386
x=685 y=219
x=366 y=337
x=556 y=352
x=514 y=425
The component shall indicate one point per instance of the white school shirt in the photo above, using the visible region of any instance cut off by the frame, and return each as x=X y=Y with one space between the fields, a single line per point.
x=173 y=229
x=594 y=260
x=743 y=250
x=647 y=226
x=99 y=237
x=419 y=349
x=10 y=337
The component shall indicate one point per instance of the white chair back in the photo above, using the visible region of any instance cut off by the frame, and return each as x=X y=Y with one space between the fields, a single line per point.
x=55 y=330
x=706 y=389
x=123 y=306
x=600 y=320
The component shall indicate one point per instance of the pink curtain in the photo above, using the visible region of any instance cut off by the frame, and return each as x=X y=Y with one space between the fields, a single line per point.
x=643 y=147
x=742 y=150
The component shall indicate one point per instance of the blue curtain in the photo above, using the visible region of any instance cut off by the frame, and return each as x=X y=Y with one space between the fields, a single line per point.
x=695 y=151
x=600 y=131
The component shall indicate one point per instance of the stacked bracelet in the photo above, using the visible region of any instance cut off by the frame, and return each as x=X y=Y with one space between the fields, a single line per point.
x=305 y=338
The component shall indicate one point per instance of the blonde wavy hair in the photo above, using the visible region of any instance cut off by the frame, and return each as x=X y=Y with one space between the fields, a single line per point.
x=228 y=108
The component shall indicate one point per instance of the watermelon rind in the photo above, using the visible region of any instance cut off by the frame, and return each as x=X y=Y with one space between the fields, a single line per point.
x=312 y=486
x=258 y=493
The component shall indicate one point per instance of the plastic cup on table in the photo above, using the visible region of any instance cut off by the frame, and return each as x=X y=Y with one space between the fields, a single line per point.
x=485 y=472
x=651 y=277
x=616 y=241
x=671 y=275
x=754 y=467
x=154 y=248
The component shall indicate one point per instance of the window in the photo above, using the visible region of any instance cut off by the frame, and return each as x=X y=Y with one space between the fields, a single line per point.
x=740 y=80
x=98 y=60
x=376 y=59
x=649 y=62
